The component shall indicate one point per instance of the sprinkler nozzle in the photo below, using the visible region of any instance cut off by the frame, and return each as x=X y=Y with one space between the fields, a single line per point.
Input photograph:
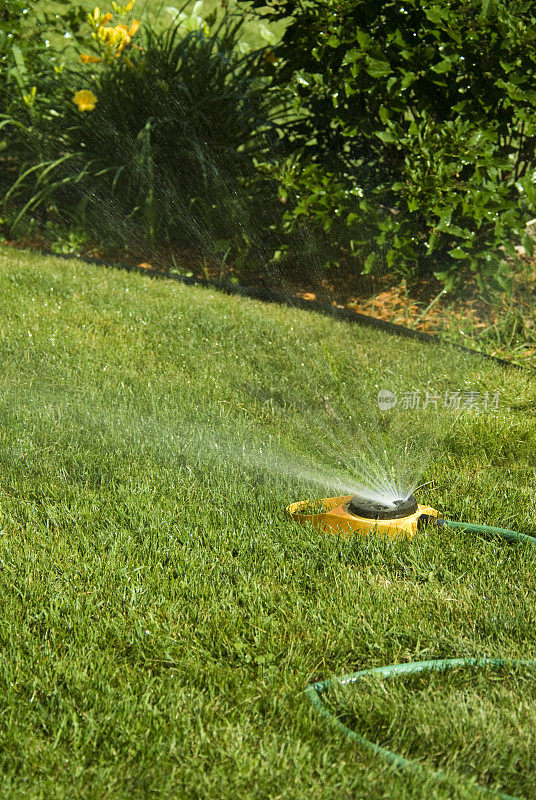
x=369 y=509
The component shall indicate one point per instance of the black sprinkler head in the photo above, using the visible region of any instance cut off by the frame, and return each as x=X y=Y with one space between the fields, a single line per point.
x=370 y=509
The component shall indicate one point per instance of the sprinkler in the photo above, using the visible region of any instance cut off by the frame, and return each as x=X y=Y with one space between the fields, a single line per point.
x=353 y=514
x=396 y=519
x=401 y=518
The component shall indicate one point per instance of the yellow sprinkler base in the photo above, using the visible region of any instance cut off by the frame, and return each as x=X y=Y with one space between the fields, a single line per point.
x=343 y=516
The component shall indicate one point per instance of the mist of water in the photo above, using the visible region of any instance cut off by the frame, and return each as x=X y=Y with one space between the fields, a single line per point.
x=330 y=435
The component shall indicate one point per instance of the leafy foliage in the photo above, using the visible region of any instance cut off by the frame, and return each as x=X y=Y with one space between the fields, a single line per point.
x=428 y=108
x=27 y=61
x=164 y=150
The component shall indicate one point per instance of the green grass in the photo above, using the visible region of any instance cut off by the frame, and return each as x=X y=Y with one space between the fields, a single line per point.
x=155 y=12
x=160 y=615
x=480 y=722
x=156 y=9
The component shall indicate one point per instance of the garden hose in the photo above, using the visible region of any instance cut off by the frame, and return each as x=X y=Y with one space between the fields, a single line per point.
x=315 y=691
x=489 y=530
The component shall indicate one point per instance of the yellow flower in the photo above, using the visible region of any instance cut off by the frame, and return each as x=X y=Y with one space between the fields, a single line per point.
x=107 y=34
x=128 y=32
x=119 y=36
x=30 y=98
x=84 y=59
x=119 y=9
x=113 y=35
x=96 y=18
x=85 y=100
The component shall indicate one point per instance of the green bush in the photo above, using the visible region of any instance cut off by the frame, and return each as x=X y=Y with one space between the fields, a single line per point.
x=165 y=155
x=13 y=22
x=28 y=61
x=14 y=76
x=422 y=114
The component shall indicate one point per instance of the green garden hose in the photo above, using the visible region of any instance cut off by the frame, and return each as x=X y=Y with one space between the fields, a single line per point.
x=315 y=691
x=502 y=533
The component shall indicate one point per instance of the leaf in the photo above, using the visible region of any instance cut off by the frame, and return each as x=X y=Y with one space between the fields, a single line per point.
x=351 y=56
x=369 y=262
x=363 y=38
x=504 y=281
x=455 y=230
x=387 y=136
x=458 y=253
x=488 y=8
x=446 y=278
x=509 y=247
x=434 y=15
x=266 y=34
x=376 y=68
x=443 y=66
x=528 y=243
x=408 y=79
x=384 y=114
x=432 y=242
x=21 y=73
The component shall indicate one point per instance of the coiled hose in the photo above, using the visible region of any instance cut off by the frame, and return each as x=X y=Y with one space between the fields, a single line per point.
x=315 y=691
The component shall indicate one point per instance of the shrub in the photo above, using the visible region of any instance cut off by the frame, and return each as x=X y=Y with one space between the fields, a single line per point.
x=154 y=146
x=427 y=107
x=27 y=61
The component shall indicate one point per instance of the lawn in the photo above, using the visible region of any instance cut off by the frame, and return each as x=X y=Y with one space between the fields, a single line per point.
x=156 y=12
x=161 y=617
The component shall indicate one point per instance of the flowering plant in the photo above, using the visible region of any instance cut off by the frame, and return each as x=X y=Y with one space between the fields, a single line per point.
x=111 y=40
